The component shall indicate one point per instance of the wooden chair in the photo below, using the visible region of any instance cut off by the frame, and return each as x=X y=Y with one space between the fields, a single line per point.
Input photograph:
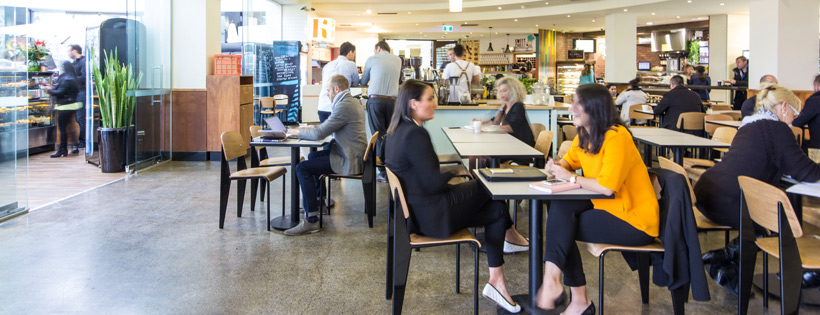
x=563 y=149
x=569 y=131
x=710 y=128
x=734 y=115
x=234 y=147
x=696 y=167
x=770 y=208
x=721 y=107
x=725 y=135
x=368 y=178
x=600 y=250
x=633 y=115
x=401 y=242
x=260 y=158
x=266 y=107
x=703 y=223
x=691 y=122
x=798 y=134
x=536 y=129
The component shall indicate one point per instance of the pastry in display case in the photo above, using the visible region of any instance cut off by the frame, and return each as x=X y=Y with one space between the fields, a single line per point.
x=568 y=75
x=35 y=115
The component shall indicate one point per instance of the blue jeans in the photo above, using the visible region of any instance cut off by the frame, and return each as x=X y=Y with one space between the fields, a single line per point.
x=308 y=172
x=323 y=115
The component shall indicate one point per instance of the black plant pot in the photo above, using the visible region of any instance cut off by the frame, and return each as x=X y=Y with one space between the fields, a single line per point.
x=113 y=145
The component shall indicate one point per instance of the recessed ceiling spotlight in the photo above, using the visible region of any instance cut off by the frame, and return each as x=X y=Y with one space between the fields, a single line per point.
x=653 y=13
x=368 y=11
x=649 y=23
x=546 y=3
x=625 y=10
x=408 y=12
x=499 y=8
x=722 y=3
x=523 y=6
x=677 y=17
x=688 y=1
x=593 y=20
x=417 y=24
x=516 y=20
x=568 y=15
x=536 y=25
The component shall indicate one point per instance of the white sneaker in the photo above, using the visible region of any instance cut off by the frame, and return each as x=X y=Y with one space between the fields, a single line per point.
x=303 y=228
x=491 y=293
x=510 y=248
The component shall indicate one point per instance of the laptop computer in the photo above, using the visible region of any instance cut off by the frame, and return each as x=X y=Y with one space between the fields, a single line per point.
x=277 y=129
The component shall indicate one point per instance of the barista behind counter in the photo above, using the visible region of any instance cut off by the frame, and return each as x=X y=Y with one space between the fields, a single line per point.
x=466 y=72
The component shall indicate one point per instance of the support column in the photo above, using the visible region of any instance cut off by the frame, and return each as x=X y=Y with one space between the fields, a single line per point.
x=621 y=51
x=196 y=37
x=728 y=38
x=785 y=42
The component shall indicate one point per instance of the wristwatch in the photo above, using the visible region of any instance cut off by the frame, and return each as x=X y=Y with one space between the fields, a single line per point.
x=573 y=179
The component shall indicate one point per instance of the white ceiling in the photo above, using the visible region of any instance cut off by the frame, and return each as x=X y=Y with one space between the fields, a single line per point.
x=417 y=18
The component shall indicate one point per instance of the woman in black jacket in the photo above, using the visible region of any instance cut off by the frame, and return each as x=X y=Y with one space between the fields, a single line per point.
x=64 y=93
x=439 y=209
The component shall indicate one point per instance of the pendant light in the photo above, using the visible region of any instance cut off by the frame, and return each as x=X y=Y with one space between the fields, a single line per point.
x=507 y=50
x=491 y=40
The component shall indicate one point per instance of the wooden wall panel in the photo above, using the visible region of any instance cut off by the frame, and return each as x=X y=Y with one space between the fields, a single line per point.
x=223 y=108
x=189 y=121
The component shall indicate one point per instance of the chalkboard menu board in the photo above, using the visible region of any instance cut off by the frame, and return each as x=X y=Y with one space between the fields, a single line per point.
x=286 y=76
x=575 y=54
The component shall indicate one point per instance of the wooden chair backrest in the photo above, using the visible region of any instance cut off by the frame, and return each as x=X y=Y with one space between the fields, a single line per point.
x=690 y=121
x=710 y=128
x=570 y=131
x=675 y=167
x=724 y=134
x=735 y=116
x=255 y=131
x=798 y=134
x=536 y=129
x=721 y=107
x=393 y=180
x=371 y=145
x=762 y=199
x=233 y=145
x=544 y=142
x=266 y=102
x=563 y=149
x=636 y=115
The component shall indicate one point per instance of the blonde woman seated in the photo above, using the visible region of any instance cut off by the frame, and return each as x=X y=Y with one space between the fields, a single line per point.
x=512 y=116
x=439 y=209
x=612 y=166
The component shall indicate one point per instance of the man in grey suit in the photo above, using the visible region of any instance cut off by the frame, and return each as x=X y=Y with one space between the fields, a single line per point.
x=346 y=124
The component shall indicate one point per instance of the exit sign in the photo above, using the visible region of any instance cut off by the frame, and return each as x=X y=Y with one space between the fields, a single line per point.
x=446 y=28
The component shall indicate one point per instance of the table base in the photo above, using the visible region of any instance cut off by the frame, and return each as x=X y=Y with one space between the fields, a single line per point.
x=527 y=308
x=282 y=223
x=810 y=296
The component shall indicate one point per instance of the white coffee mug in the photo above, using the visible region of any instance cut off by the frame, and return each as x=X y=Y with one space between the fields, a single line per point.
x=477 y=126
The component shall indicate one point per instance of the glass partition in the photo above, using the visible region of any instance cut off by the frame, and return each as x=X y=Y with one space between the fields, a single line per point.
x=148 y=31
x=14 y=109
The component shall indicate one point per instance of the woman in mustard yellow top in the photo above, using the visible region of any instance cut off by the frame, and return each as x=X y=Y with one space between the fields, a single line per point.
x=612 y=166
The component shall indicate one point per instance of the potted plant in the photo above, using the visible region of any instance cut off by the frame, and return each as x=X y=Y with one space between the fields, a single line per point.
x=115 y=85
x=37 y=53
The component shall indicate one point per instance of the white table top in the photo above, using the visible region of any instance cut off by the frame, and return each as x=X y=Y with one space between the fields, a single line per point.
x=727 y=123
x=654 y=131
x=808 y=189
x=510 y=149
x=459 y=134
x=670 y=138
x=724 y=111
x=290 y=143
x=521 y=190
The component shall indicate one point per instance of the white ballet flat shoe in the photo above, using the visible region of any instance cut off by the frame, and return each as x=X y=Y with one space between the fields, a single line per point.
x=510 y=248
x=491 y=293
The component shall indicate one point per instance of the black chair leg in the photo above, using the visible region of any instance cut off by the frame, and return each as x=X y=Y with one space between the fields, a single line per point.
x=401 y=267
x=601 y=283
x=240 y=196
x=679 y=297
x=726 y=238
x=254 y=184
x=262 y=189
x=267 y=223
x=284 y=184
x=515 y=213
x=765 y=280
x=224 y=190
x=458 y=268
x=475 y=280
x=369 y=203
x=643 y=276
x=389 y=268
x=329 y=192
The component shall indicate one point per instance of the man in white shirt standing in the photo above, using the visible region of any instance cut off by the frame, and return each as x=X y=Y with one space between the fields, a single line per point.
x=466 y=72
x=344 y=65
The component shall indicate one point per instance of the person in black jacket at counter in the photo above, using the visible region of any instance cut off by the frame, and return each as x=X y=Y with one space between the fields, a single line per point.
x=677 y=101
x=810 y=115
x=748 y=107
x=439 y=209
x=740 y=79
x=65 y=96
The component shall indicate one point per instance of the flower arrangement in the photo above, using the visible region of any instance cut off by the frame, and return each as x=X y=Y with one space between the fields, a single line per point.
x=37 y=53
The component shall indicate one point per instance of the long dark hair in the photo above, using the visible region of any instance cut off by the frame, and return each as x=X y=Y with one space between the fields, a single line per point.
x=701 y=73
x=68 y=70
x=633 y=84
x=587 y=68
x=598 y=106
x=409 y=90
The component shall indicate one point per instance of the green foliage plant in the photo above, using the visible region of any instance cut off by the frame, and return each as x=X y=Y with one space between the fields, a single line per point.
x=113 y=86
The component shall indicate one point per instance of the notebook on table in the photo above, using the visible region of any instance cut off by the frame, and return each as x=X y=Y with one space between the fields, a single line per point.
x=518 y=174
x=554 y=188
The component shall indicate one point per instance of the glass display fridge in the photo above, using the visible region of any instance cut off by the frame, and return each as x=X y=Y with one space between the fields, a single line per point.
x=568 y=75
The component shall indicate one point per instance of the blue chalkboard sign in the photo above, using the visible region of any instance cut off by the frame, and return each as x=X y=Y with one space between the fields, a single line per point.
x=286 y=76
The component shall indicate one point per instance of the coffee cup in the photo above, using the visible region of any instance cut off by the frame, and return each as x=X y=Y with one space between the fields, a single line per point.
x=477 y=126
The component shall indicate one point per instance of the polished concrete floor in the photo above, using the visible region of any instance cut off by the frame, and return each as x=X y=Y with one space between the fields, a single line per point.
x=150 y=244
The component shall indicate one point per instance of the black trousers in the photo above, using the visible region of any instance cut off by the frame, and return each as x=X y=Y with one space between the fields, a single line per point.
x=470 y=206
x=379 y=112
x=63 y=118
x=80 y=116
x=571 y=220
